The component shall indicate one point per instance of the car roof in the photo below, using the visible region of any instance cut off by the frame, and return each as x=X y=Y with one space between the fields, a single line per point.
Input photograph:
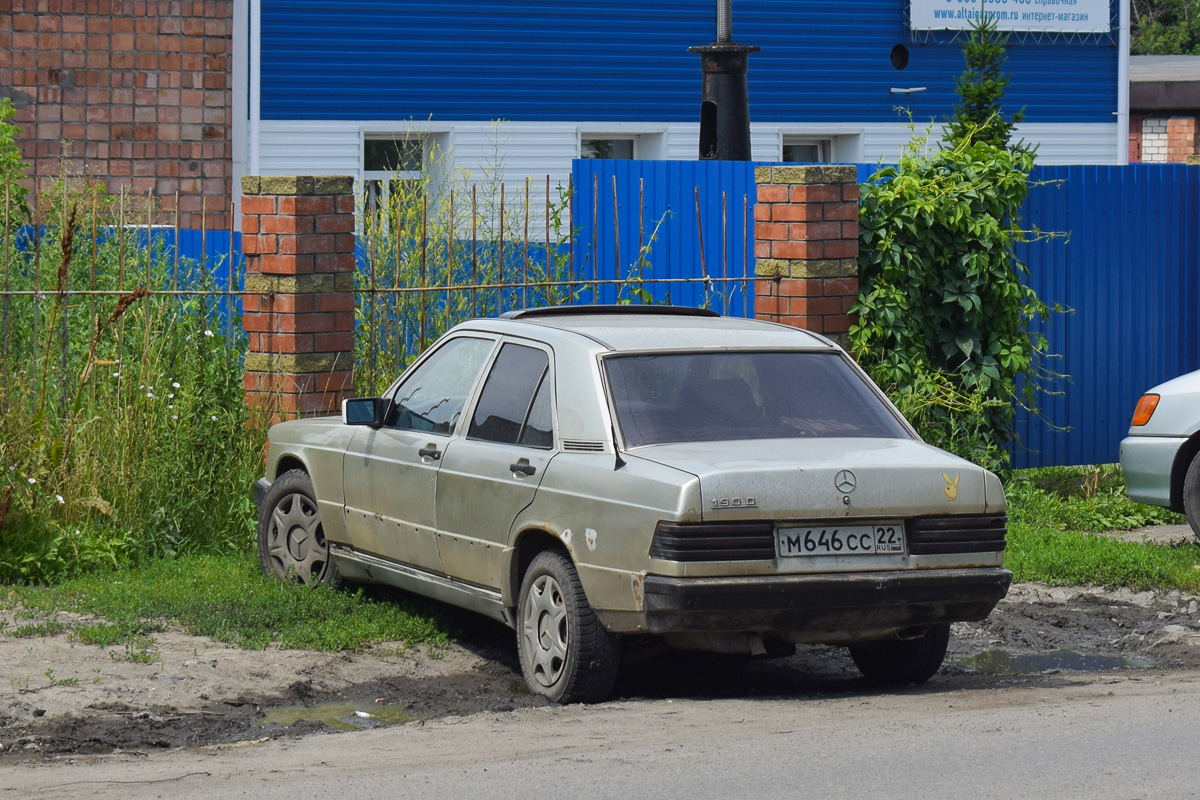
x=642 y=328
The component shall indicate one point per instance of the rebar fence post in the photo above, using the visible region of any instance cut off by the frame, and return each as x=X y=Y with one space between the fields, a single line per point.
x=806 y=247
x=298 y=313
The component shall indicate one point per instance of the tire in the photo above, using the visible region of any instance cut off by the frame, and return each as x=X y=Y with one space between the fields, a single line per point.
x=1191 y=496
x=291 y=540
x=566 y=654
x=895 y=662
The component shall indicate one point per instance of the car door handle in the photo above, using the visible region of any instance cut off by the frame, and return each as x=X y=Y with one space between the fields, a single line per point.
x=523 y=467
x=430 y=452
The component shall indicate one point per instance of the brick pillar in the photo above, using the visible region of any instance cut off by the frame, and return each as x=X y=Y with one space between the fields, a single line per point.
x=806 y=247
x=1181 y=138
x=298 y=239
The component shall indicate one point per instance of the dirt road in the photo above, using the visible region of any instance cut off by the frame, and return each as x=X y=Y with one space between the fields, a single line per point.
x=61 y=700
x=1124 y=735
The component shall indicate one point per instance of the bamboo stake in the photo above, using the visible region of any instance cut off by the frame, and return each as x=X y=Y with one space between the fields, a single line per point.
x=449 y=257
x=500 y=256
x=595 y=238
x=700 y=231
x=424 y=255
x=232 y=284
x=525 y=263
x=616 y=237
x=724 y=254
x=63 y=305
x=37 y=266
x=745 y=255
x=474 y=252
x=571 y=235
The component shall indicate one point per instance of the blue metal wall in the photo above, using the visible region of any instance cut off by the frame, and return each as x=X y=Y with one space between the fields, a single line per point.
x=668 y=229
x=1130 y=278
x=621 y=61
x=1129 y=275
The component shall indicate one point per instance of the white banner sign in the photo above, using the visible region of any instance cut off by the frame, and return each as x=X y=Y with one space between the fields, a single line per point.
x=1043 y=16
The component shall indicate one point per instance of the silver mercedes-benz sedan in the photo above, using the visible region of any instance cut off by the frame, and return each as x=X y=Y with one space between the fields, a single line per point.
x=604 y=476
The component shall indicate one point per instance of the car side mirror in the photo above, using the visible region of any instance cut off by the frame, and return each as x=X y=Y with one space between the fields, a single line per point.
x=369 y=411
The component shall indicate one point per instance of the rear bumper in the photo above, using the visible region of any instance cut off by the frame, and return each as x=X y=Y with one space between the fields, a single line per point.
x=848 y=602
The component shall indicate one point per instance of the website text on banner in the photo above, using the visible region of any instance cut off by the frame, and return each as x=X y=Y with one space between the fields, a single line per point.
x=1041 y=16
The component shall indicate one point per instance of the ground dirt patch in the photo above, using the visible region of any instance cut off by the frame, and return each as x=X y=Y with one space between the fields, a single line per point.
x=60 y=698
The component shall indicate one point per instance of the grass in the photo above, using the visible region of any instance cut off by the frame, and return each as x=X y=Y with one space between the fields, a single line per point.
x=1056 y=516
x=226 y=598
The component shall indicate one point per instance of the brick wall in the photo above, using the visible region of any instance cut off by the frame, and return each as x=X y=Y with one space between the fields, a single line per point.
x=806 y=247
x=140 y=89
x=298 y=238
x=1181 y=138
x=1154 y=140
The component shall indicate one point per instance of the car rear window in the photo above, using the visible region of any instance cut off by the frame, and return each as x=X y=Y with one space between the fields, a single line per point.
x=698 y=397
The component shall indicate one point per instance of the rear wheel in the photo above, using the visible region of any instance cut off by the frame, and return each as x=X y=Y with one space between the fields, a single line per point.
x=291 y=540
x=1191 y=496
x=898 y=661
x=566 y=654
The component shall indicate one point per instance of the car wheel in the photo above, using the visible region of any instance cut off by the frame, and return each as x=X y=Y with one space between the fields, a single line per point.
x=1191 y=496
x=291 y=541
x=899 y=661
x=566 y=654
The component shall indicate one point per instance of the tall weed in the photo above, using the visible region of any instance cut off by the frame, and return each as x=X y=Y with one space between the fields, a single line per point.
x=123 y=435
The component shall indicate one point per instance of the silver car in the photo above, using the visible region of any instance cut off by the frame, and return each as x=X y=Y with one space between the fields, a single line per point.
x=1161 y=455
x=606 y=477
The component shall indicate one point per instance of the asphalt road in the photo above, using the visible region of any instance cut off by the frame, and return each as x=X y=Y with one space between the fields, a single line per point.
x=1132 y=734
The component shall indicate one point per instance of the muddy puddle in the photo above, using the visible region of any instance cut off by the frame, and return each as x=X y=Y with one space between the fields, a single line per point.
x=1002 y=662
x=338 y=716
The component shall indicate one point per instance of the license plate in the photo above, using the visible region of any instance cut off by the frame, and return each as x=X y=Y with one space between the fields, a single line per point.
x=841 y=540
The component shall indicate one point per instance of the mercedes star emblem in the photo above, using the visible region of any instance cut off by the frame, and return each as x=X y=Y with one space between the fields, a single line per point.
x=845 y=481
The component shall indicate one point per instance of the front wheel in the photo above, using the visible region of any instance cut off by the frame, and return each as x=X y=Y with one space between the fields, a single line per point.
x=566 y=654
x=899 y=661
x=291 y=540
x=1191 y=496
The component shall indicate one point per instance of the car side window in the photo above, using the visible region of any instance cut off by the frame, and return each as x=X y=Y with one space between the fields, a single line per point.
x=432 y=397
x=514 y=406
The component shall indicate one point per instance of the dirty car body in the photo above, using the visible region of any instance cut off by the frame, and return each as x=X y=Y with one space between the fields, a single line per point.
x=595 y=477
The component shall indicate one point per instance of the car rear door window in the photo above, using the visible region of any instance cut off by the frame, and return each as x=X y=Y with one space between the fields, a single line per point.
x=433 y=396
x=514 y=406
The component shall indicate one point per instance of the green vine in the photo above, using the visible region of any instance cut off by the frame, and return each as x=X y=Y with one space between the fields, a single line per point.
x=944 y=319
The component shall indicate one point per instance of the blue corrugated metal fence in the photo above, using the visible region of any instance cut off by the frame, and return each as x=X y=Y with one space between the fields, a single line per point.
x=1129 y=274
x=642 y=222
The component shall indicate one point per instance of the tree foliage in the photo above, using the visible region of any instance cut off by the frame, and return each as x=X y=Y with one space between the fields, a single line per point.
x=1165 y=27
x=13 y=171
x=979 y=116
x=943 y=316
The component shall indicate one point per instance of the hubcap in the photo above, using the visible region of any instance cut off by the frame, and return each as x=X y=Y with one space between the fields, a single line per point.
x=544 y=631
x=296 y=541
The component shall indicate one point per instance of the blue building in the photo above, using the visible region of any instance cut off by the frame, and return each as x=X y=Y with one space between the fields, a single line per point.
x=351 y=87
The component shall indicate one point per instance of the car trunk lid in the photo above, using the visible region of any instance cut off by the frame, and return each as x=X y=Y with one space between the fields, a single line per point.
x=825 y=478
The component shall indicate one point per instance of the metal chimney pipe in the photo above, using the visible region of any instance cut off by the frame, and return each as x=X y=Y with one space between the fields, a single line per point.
x=724 y=105
x=724 y=21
